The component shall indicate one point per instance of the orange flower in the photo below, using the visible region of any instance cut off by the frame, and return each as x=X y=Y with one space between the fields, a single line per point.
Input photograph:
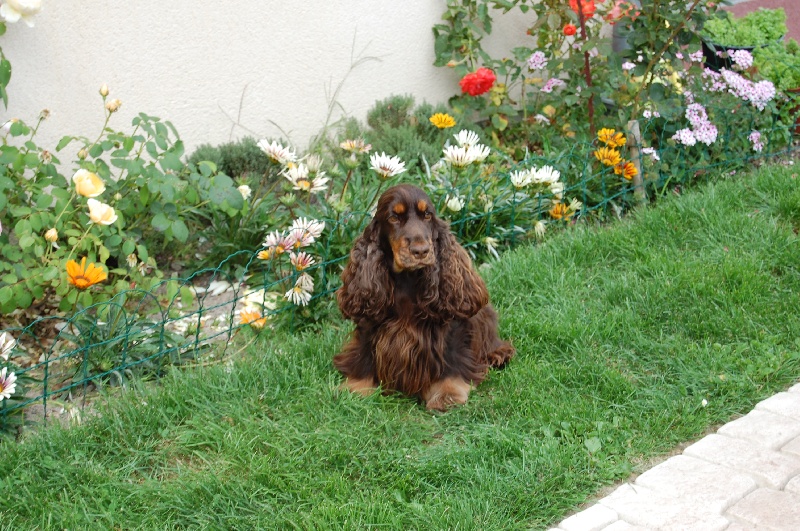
x=587 y=6
x=560 y=211
x=626 y=169
x=611 y=138
x=608 y=156
x=253 y=318
x=570 y=30
x=82 y=276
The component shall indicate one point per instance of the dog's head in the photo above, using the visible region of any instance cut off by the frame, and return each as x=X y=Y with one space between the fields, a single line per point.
x=407 y=222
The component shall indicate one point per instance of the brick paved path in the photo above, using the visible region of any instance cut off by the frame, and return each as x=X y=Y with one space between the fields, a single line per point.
x=744 y=476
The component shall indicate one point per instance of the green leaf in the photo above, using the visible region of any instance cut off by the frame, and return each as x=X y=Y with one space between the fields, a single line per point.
x=128 y=247
x=160 y=222
x=593 y=444
x=180 y=230
x=499 y=121
x=5 y=72
x=63 y=142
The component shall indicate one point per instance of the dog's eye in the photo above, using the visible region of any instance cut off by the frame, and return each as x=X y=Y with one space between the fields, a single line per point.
x=428 y=215
x=393 y=218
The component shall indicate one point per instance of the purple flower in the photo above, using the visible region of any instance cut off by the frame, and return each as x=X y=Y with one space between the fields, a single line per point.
x=685 y=137
x=696 y=57
x=537 y=61
x=755 y=139
x=696 y=114
x=553 y=83
x=652 y=152
x=742 y=59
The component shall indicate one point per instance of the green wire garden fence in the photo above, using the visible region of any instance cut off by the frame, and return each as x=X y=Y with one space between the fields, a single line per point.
x=139 y=334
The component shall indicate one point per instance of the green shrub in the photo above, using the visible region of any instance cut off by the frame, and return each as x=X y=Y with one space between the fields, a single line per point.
x=780 y=63
x=762 y=26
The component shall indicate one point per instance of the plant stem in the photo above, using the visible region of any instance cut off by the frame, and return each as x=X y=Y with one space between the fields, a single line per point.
x=587 y=71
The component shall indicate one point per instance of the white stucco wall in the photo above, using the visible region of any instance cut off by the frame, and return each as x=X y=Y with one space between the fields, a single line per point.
x=205 y=66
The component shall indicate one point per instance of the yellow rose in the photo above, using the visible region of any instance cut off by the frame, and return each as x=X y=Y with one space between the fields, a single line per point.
x=88 y=184
x=101 y=213
x=51 y=235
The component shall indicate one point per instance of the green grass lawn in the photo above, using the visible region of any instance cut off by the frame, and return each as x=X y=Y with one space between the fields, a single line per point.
x=622 y=332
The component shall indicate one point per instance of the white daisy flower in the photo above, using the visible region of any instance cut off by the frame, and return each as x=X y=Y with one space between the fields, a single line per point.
x=278 y=243
x=522 y=178
x=301 y=260
x=312 y=226
x=300 y=294
x=479 y=152
x=278 y=153
x=539 y=229
x=458 y=156
x=466 y=138
x=547 y=174
x=386 y=166
x=7 y=342
x=7 y=383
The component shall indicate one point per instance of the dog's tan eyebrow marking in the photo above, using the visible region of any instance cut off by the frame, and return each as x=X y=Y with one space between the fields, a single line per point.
x=399 y=208
x=422 y=206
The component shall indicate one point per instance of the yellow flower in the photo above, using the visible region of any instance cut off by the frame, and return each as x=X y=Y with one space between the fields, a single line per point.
x=443 y=121
x=113 y=105
x=253 y=318
x=549 y=110
x=82 y=276
x=51 y=235
x=611 y=138
x=88 y=184
x=101 y=213
x=608 y=156
x=626 y=169
x=266 y=254
x=560 y=211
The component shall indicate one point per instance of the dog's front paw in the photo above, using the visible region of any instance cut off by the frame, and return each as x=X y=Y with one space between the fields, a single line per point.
x=447 y=393
x=361 y=386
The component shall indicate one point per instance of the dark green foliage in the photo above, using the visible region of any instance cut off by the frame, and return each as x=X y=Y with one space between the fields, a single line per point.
x=241 y=158
x=398 y=127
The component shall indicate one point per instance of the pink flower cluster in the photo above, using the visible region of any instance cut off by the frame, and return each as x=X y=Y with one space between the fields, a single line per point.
x=537 y=61
x=758 y=94
x=742 y=59
x=702 y=129
x=755 y=139
x=696 y=57
x=553 y=83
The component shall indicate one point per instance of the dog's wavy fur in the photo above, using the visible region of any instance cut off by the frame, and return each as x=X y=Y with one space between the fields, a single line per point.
x=424 y=325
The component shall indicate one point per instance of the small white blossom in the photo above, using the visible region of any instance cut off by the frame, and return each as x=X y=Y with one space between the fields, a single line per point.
x=245 y=191
x=8 y=383
x=7 y=343
x=454 y=203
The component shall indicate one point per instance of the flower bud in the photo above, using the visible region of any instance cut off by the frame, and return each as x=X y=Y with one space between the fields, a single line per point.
x=113 y=105
x=82 y=154
x=45 y=157
x=104 y=90
x=117 y=196
x=51 y=235
x=44 y=114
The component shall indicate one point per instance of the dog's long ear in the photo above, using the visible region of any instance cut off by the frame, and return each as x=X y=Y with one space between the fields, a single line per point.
x=462 y=292
x=367 y=291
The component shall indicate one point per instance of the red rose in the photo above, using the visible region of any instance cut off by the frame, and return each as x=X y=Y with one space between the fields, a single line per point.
x=478 y=82
x=587 y=5
x=570 y=30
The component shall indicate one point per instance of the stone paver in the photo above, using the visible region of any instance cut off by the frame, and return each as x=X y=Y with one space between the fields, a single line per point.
x=698 y=482
x=745 y=477
x=769 y=509
x=770 y=468
x=792 y=447
x=641 y=506
x=764 y=428
x=594 y=518
x=786 y=404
